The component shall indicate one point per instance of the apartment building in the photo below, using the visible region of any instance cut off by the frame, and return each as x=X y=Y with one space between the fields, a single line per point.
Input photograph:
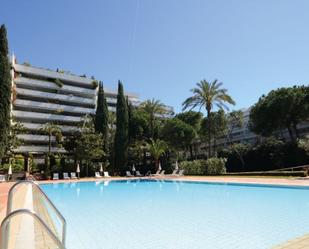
x=43 y=96
x=244 y=135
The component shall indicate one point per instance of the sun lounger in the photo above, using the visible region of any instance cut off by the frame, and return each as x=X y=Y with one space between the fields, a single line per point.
x=162 y=173
x=175 y=172
x=156 y=174
x=180 y=173
x=137 y=173
x=97 y=175
x=128 y=174
x=73 y=175
x=66 y=176
x=106 y=174
x=2 y=178
x=56 y=176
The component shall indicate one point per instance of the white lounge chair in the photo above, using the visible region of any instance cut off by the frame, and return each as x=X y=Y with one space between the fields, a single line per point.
x=157 y=173
x=128 y=174
x=180 y=173
x=175 y=172
x=97 y=175
x=56 y=176
x=106 y=174
x=73 y=175
x=2 y=178
x=162 y=173
x=66 y=176
x=137 y=173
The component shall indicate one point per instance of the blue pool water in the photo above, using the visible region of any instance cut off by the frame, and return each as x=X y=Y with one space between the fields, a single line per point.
x=179 y=215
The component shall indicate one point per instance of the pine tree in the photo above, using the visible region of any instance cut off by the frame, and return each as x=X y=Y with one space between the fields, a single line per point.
x=121 y=135
x=101 y=117
x=5 y=91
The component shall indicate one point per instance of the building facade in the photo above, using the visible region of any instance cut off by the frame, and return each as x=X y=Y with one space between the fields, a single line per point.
x=244 y=135
x=43 y=96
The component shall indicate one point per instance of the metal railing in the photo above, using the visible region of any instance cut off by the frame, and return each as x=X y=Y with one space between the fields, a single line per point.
x=12 y=213
x=6 y=222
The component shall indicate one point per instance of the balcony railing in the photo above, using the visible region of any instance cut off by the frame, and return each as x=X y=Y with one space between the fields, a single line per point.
x=35 y=138
x=36 y=127
x=38 y=149
x=44 y=117
x=52 y=74
x=53 y=96
x=35 y=105
x=40 y=84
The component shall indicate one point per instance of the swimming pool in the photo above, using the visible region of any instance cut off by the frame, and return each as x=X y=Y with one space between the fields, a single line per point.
x=144 y=214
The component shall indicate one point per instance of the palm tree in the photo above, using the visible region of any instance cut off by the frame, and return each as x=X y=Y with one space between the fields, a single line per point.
x=207 y=94
x=153 y=108
x=156 y=148
x=52 y=130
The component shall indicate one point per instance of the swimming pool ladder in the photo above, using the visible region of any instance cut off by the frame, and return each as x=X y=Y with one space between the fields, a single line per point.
x=57 y=239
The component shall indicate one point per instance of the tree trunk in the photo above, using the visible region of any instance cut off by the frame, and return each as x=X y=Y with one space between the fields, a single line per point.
x=215 y=146
x=49 y=143
x=157 y=164
x=295 y=129
x=195 y=150
x=191 y=151
x=209 y=132
x=291 y=133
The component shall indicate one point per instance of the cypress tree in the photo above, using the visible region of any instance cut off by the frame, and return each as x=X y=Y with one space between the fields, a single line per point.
x=121 y=135
x=5 y=91
x=101 y=116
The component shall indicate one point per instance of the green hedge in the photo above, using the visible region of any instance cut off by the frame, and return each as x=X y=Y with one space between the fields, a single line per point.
x=211 y=166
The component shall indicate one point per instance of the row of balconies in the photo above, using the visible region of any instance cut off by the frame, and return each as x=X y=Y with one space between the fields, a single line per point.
x=53 y=96
x=47 y=85
x=74 y=79
x=35 y=138
x=37 y=127
x=41 y=106
x=44 y=117
x=77 y=80
x=38 y=149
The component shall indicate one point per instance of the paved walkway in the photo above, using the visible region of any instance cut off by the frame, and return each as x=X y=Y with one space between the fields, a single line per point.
x=298 y=243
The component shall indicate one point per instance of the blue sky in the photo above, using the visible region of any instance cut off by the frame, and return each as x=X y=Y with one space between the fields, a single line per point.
x=162 y=48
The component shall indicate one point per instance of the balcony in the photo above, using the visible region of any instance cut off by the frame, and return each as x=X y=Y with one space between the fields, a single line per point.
x=39 y=106
x=37 y=127
x=53 y=96
x=44 y=117
x=38 y=149
x=47 y=85
x=53 y=74
x=35 y=138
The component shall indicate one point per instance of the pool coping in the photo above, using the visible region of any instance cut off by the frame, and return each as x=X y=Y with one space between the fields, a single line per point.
x=267 y=182
x=165 y=179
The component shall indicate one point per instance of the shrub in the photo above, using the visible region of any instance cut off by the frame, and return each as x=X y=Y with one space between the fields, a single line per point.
x=17 y=165
x=216 y=166
x=16 y=168
x=211 y=166
x=269 y=154
x=58 y=83
x=196 y=167
x=95 y=84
